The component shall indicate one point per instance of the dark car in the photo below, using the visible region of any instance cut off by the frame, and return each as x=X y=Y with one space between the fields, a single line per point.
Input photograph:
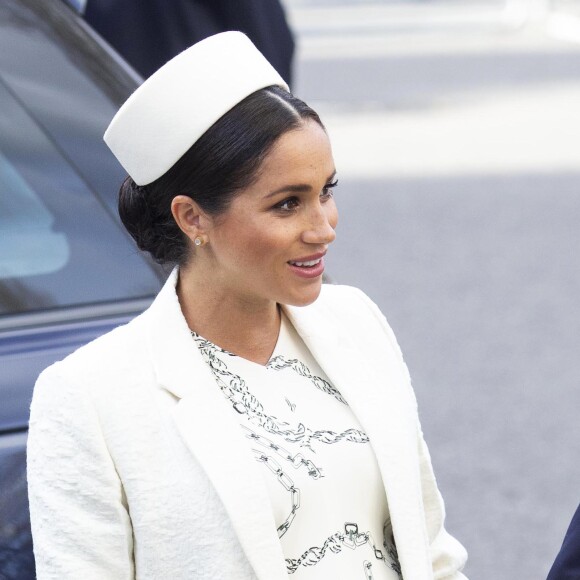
x=68 y=271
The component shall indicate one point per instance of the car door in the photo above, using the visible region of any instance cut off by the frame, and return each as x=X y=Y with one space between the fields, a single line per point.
x=68 y=271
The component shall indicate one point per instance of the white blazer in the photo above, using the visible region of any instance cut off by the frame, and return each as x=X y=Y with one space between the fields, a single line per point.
x=137 y=468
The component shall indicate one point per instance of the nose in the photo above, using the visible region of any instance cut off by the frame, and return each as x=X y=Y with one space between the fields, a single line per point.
x=321 y=225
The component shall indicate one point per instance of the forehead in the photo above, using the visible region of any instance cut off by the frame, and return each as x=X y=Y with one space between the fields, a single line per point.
x=303 y=153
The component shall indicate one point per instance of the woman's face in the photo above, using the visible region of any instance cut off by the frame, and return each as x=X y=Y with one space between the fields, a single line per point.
x=269 y=244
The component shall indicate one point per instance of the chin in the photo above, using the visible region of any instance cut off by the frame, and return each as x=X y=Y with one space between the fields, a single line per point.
x=304 y=297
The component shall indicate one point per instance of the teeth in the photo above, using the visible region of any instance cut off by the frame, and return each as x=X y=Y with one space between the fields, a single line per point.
x=306 y=264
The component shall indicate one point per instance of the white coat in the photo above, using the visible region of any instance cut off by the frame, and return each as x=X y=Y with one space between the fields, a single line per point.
x=137 y=468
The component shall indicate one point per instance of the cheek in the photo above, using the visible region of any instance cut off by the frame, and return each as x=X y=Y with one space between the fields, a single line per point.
x=239 y=236
x=262 y=244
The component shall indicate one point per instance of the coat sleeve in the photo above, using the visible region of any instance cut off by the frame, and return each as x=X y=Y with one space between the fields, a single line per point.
x=80 y=523
x=448 y=556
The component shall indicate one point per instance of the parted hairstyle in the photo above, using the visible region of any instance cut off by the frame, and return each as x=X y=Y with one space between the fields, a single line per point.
x=223 y=161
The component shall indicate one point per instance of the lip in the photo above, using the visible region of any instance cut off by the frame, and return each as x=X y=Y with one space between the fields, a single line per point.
x=309 y=258
x=309 y=272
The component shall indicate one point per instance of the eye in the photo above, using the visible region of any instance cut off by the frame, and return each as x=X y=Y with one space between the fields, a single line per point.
x=287 y=205
x=327 y=189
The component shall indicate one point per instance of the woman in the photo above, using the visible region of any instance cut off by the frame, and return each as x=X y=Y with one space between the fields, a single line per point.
x=251 y=423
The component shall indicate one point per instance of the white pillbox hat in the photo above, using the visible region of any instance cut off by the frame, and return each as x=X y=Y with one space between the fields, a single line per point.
x=175 y=106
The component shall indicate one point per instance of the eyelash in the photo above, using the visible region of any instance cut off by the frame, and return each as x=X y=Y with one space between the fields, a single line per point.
x=329 y=187
x=326 y=193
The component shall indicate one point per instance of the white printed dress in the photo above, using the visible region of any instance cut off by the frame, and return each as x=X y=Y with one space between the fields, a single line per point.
x=319 y=467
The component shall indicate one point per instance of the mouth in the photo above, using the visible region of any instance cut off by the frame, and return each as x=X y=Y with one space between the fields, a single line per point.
x=308 y=266
x=305 y=264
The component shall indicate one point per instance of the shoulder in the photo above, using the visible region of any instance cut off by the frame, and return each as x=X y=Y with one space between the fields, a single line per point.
x=350 y=304
x=115 y=364
x=355 y=312
x=96 y=366
x=351 y=309
x=110 y=348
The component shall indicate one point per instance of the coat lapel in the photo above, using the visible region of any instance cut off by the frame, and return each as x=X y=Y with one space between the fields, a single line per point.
x=380 y=397
x=211 y=432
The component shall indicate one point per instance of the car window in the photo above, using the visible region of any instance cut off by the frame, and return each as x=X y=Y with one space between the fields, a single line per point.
x=30 y=246
x=61 y=243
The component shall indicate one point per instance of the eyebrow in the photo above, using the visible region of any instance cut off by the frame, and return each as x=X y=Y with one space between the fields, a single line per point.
x=296 y=188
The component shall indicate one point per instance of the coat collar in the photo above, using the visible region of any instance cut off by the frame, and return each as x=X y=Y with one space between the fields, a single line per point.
x=386 y=414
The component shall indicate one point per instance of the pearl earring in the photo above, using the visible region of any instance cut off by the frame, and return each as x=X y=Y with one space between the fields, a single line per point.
x=198 y=241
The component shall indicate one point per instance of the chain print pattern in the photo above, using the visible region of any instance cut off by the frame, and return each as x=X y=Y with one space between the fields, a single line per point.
x=288 y=485
x=350 y=538
x=279 y=363
x=244 y=402
x=391 y=548
x=296 y=461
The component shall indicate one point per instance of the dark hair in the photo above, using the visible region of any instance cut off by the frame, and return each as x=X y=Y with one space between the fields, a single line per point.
x=224 y=160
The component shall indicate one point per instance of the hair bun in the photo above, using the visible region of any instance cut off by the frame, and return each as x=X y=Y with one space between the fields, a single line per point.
x=152 y=232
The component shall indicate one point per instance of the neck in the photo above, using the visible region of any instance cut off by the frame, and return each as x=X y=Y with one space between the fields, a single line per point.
x=246 y=328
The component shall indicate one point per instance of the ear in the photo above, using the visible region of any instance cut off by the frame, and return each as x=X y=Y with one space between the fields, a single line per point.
x=190 y=218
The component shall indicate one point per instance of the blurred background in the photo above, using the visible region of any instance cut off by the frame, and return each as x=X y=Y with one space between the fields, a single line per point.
x=455 y=126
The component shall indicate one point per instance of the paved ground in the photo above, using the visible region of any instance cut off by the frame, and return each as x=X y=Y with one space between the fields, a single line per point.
x=456 y=140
